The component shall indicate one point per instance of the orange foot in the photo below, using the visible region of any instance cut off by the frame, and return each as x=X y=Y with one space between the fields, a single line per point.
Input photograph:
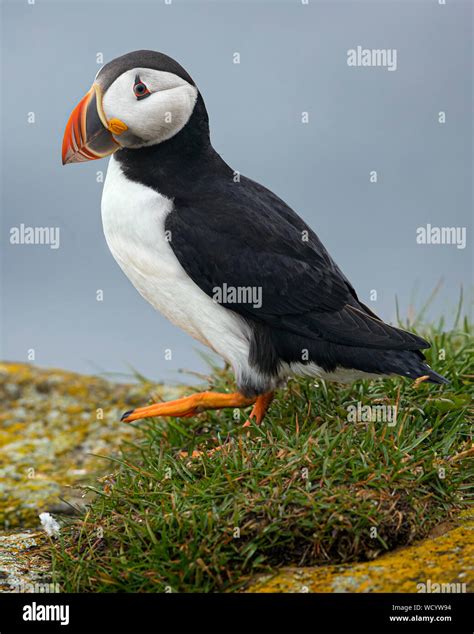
x=190 y=405
x=260 y=408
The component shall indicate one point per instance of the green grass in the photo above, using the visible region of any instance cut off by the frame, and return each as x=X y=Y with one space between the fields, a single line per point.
x=161 y=522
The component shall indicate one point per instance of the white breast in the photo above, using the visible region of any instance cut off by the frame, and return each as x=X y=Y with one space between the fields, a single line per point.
x=133 y=218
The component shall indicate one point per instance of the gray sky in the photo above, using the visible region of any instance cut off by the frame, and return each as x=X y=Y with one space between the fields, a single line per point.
x=293 y=59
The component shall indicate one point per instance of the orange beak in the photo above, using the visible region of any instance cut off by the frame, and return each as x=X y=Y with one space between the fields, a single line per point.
x=87 y=136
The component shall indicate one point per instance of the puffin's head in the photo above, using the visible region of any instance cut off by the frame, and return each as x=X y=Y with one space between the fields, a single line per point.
x=139 y=99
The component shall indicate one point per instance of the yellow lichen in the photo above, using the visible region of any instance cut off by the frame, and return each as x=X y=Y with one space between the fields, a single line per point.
x=51 y=424
x=446 y=559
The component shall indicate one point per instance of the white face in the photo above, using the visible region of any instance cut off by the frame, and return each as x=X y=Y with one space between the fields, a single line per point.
x=150 y=118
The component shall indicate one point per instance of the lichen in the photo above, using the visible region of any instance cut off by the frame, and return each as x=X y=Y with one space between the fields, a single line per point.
x=52 y=424
x=445 y=559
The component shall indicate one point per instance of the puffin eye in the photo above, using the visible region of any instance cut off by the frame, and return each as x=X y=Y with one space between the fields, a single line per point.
x=140 y=89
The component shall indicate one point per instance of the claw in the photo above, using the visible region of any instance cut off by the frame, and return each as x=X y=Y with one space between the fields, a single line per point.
x=259 y=409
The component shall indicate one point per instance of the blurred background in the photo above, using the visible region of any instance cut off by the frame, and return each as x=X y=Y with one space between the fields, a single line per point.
x=293 y=60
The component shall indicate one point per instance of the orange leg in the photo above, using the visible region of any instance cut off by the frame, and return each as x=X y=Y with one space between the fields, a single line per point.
x=190 y=405
x=260 y=408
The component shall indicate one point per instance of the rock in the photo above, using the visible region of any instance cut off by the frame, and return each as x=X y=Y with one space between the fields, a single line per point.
x=51 y=423
x=24 y=567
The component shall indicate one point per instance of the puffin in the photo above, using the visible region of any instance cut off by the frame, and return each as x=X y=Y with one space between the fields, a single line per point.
x=220 y=255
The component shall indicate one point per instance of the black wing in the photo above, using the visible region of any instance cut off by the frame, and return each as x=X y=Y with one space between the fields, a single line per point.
x=245 y=236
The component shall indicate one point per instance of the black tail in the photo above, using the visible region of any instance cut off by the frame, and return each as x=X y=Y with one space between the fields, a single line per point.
x=407 y=363
x=410 y=364
x=329 y=356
